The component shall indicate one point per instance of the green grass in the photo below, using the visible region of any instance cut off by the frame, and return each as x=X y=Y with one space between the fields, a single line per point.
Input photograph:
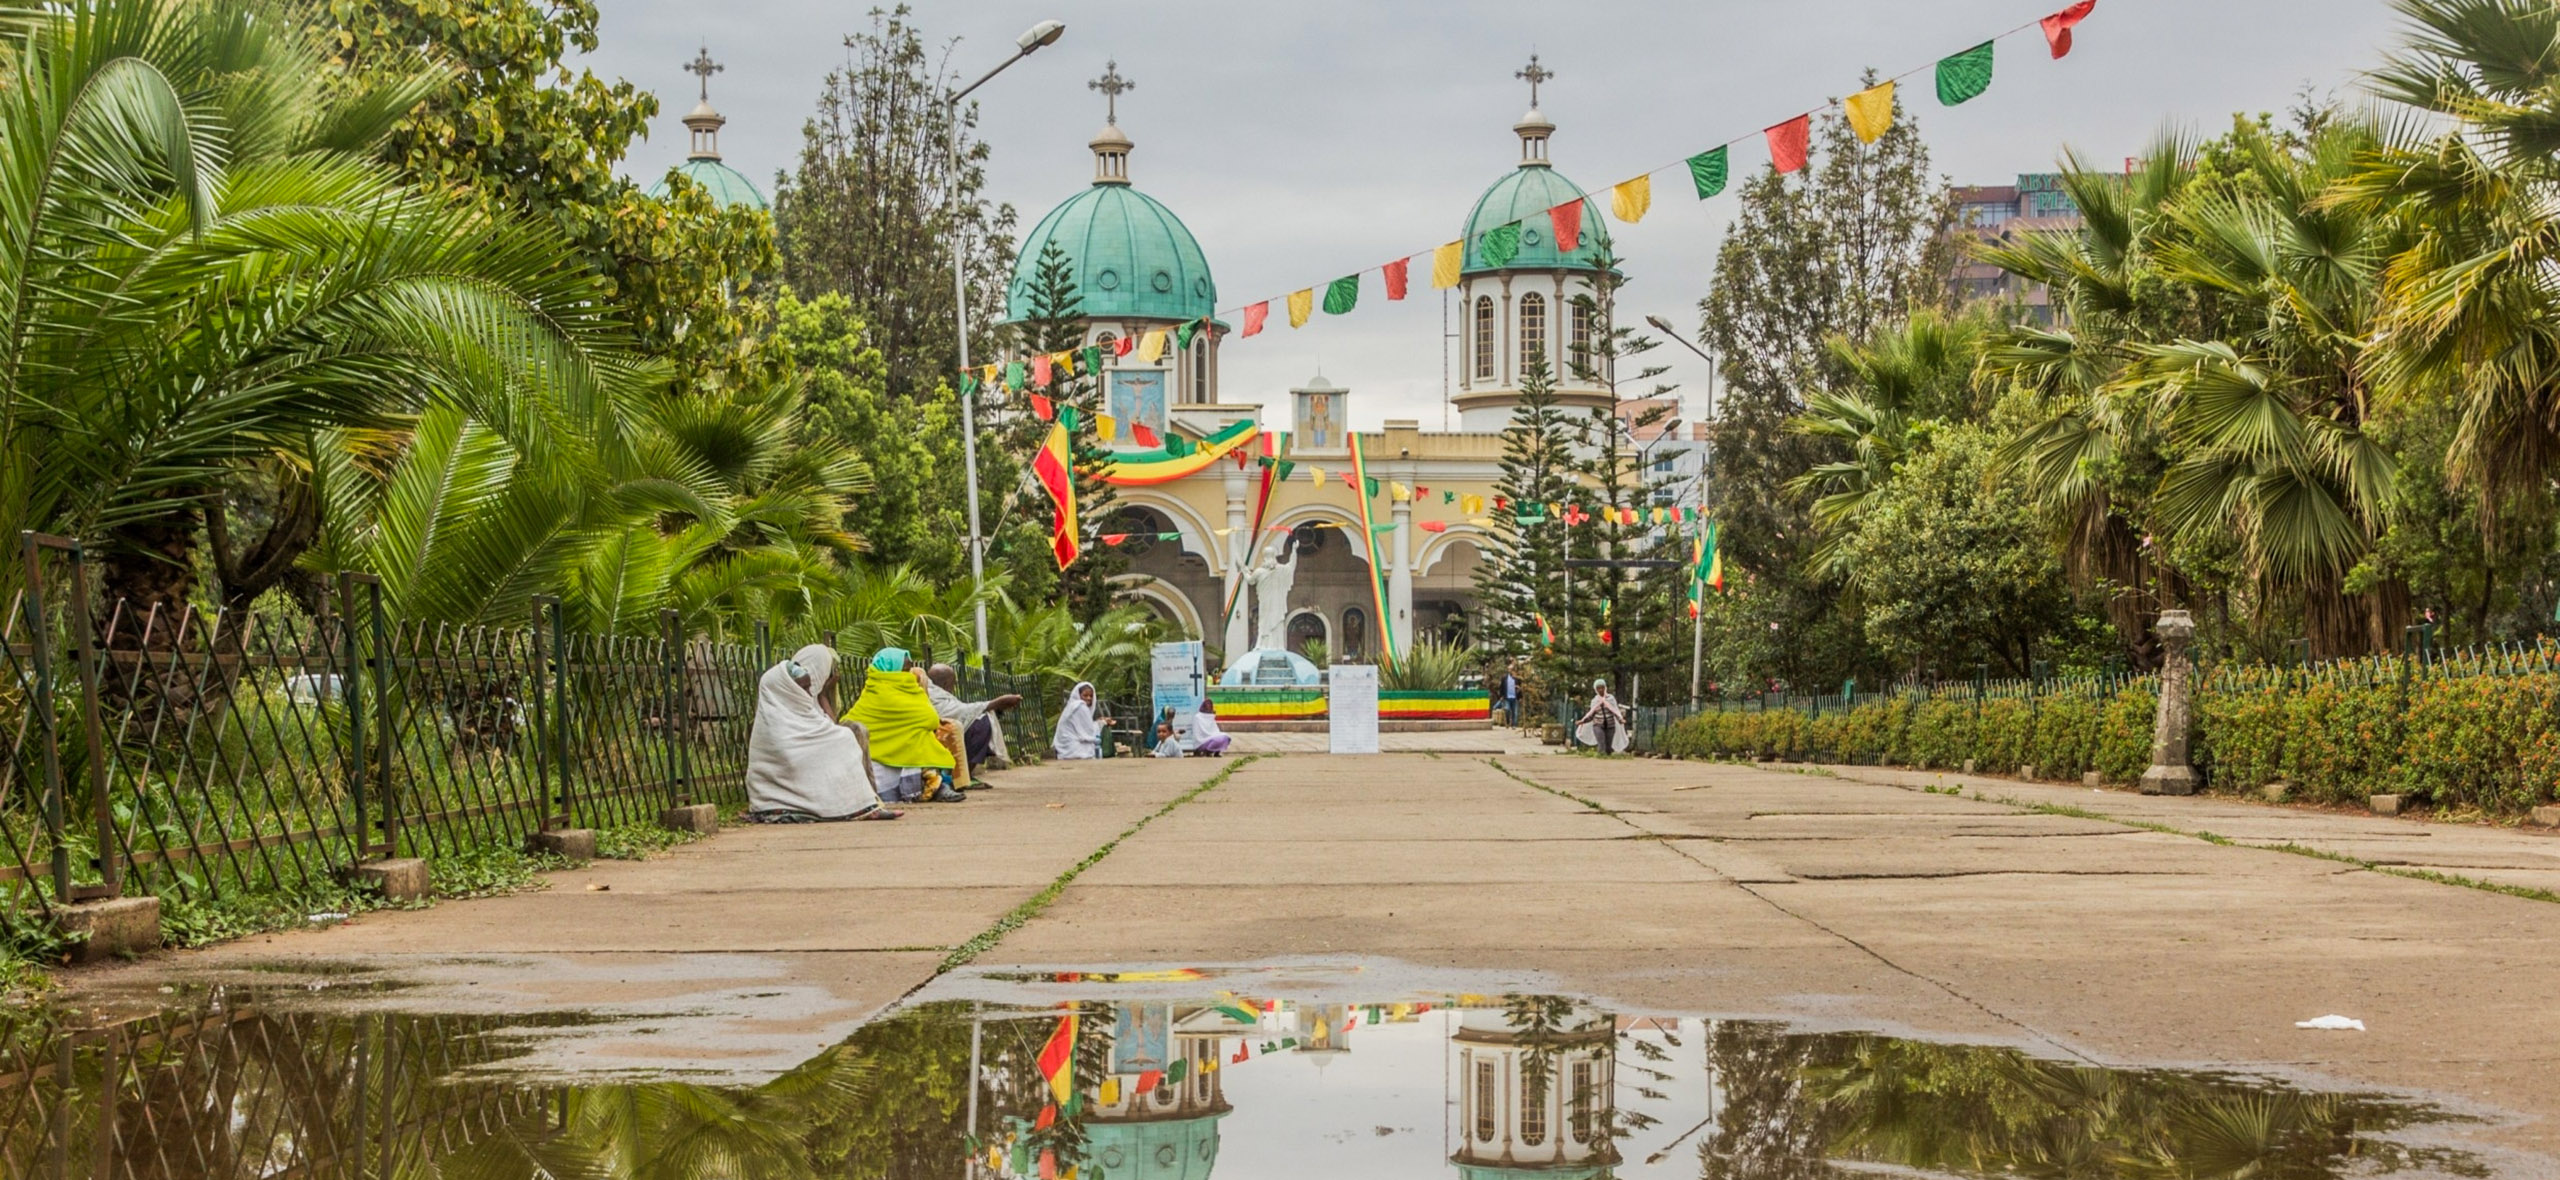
x=1013 y=919
x=639 y=841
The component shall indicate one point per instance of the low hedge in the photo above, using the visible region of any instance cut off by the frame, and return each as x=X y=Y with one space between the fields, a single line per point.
x=2487 y=742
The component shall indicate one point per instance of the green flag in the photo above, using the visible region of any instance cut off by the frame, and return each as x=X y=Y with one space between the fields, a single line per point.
x=1067 y=418
x=1182 y=335
x=1282 y=468
x=1499 y=245
x=1373 y=487
x=1168 y=536
x=1708 y=170
x=1964 y=75
x=1014 y=372
x=1093 y=358
x=1342 y=295
x=1176 y=445
x=968 y=385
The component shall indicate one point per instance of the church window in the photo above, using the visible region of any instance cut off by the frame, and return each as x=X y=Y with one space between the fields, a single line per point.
x=1103 y=340
x=1533 y=328
x=1484 y=337
x=1200 y=368
x=1581 y=337
x=1485 y=1097
x=1533 y=1119
x=1582 y=1103
x=1355 y=631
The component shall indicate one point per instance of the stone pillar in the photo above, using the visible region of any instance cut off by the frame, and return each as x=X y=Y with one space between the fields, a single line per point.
x=1400 y=575
x=1235 y=560
x=2170 y=772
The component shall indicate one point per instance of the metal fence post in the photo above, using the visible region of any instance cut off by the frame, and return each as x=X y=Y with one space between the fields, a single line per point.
x=385 y=738
x=351 y=697
x=680 y=780
x=556 y=657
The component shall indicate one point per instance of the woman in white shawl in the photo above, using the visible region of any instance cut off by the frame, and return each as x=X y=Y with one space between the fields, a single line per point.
x=1604 y=726
x=802 y=765
x=1079 y=732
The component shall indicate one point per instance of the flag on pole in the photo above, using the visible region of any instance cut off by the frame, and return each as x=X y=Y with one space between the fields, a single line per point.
x=1546 y=634
x=1058 y=1059
x=1870 y=111
x=1054 y=468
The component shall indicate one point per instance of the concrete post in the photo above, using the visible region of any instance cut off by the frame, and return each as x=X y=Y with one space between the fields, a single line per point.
x=2170 y=772
x=1400 y=575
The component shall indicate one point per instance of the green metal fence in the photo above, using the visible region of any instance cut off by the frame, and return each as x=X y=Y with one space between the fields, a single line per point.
x=195 y=755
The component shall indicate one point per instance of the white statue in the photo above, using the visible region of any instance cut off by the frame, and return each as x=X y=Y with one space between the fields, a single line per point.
x=1272 y=581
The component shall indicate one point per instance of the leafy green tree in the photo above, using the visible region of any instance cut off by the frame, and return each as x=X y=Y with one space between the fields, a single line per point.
x=874 y=207
x=913 y=515
x=1850 y=244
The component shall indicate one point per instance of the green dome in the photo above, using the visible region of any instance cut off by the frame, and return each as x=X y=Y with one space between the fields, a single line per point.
x=1524 y=195
x=726 y=185
x=1132 y=258
x=1155 y=1149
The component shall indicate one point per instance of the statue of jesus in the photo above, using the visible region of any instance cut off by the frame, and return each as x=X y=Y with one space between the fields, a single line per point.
x=1272 y=581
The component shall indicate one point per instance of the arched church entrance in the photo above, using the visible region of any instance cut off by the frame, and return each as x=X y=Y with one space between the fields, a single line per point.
x=1164 y=566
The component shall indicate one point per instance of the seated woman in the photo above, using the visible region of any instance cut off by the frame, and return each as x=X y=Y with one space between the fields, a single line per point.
x=803 y=767
x=1206 y=737
x=907 y=739
x=1079 y=733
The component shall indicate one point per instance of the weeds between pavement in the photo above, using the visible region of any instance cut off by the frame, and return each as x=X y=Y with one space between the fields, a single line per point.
x=1013 y=919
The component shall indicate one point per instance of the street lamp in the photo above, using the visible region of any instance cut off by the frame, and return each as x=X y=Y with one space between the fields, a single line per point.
x=1031 y=41
x=1706 y=483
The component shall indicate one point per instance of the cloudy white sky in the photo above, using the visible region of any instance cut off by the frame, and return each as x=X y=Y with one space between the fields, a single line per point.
x=1302 y=141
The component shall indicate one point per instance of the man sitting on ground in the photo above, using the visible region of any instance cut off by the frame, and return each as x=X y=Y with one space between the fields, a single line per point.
x=982 y=740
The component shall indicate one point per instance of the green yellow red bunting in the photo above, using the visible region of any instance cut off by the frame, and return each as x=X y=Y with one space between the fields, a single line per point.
x=1709 y=170
x=1499 y=245
x=1963 y=77
x=1342 y=295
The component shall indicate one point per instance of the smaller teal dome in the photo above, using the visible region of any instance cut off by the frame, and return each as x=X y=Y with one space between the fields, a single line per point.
x=1524 y=195
x=726 y=185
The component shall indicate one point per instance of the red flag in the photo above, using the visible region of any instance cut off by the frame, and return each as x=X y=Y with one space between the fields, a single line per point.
x=2057 y=28
x=1041 y=408
x=1244 y=1051
x=1567 y=220
x=1395 y=277
x=1789 y=141
x=1040 y=369
x=1500 y=504
x=1048 y=1163
x=1057 y=1059
x=1048 y=1117
x=1054 y=467
x=1253 y=317
x=1150 y=1080
x=1435 y=526
x=1114 y=538
x=1124 y=345
x=1145 y=435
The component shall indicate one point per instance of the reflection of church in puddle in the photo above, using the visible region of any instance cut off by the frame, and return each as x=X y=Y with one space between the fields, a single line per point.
x=1527 y=1103
x=1138 y=270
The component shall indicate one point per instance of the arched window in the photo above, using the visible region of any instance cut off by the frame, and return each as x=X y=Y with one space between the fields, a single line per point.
x=1484 y=337
x=1485 y=1098
x=1200 y=368
x=1582 y=1102
x=1533 y=328
x=1104 y=341
x=1533 y=1118
x=1581 y=337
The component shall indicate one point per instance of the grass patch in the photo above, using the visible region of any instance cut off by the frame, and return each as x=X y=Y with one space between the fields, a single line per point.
x=1013 y=919
x=639 y=841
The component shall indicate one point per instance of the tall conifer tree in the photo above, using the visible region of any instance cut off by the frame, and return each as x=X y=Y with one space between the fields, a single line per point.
x=1055 y=323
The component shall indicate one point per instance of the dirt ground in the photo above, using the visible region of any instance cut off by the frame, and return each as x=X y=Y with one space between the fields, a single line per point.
x=1850 y=899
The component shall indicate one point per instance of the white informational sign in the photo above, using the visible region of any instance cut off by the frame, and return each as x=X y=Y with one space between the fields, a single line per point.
x=1181 y=678
x=1352 y=704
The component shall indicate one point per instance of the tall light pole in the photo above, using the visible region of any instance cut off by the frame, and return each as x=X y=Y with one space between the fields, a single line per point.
x=1032 y=39
x=1706 y=481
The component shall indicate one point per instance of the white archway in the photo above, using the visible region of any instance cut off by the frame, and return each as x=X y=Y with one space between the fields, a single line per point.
x=1288 y=522
x=1169 y=603
x=1438 y=546
x=1199 y=538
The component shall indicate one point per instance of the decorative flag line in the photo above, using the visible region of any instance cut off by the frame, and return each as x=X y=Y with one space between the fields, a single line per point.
x=1959 y=77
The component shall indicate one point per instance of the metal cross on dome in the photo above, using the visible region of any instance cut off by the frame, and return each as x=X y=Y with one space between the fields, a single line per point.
x=1534 y=74
x=1112 y=86
x=704 y=66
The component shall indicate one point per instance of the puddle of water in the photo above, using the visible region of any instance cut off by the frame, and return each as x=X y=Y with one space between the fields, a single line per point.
x=1136 y=1076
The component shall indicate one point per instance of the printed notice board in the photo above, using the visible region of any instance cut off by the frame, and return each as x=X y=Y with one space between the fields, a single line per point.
x=1352 y=703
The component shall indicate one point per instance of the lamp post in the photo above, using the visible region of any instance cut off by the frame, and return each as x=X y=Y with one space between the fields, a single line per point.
x=1706 y=484
x=1031 y=40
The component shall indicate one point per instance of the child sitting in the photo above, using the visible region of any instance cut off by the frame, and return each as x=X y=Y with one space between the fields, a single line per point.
x=1167 y=745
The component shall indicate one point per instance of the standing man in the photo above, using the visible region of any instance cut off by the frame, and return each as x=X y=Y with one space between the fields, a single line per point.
x=981 y=739
x=1511 y=693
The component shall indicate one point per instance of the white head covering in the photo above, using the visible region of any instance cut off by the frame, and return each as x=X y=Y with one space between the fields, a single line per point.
x=1078 y=735
x=798 y=758
x=1204 y=725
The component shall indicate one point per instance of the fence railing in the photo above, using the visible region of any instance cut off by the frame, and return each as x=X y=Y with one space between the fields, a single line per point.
x=193 y=755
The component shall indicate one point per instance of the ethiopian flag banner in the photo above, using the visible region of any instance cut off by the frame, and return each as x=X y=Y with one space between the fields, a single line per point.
x=1054 y=467
x=1706 y=568
x=1058 y=1060
x=1361 y=482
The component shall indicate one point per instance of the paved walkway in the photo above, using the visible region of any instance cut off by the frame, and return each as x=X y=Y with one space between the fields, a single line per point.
x=1450 y=741
x=1733 y=890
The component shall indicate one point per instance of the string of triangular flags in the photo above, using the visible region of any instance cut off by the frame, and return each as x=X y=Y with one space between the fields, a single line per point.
x=1959 y=78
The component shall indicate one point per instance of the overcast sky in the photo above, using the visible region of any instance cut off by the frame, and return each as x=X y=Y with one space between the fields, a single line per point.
x=1302 y=141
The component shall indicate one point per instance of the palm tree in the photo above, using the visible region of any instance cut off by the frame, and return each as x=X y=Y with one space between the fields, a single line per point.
x=201 y=273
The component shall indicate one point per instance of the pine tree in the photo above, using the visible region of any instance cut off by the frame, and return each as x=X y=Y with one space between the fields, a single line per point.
x=1522 y=575
x=1055 y=323
x=1625 y=625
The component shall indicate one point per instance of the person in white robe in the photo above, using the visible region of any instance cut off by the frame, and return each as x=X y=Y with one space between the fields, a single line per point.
x=1206 y=737
x=1079 y=732
x=1604 y=726
x=803 y=766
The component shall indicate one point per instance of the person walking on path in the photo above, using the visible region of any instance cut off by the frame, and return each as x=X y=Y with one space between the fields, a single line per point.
x=1604 y=726
x=803 y=766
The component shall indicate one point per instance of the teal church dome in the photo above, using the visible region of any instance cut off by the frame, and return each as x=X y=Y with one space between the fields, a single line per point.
x=1524 y=195
x=1131 y=257
x=727 y=185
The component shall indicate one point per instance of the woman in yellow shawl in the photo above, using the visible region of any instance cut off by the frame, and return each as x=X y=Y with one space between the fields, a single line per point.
x=906 y=730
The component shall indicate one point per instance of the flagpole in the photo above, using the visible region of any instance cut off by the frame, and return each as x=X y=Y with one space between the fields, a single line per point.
x=1706 y=482
x=977 y=1030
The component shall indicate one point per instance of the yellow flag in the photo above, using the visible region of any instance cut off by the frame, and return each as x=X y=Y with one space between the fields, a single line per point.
x=1301 y=303
x=1109 y=1094
x=1151 y=346
x=990 y=374
x=1398 y=491
x=1631 y=199
x=1870 y=111
x=1471 y=504
x=1315 y=475
x=1066 y=361
x=1446 y=262
x=1108 y=425
x=1481 y=522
